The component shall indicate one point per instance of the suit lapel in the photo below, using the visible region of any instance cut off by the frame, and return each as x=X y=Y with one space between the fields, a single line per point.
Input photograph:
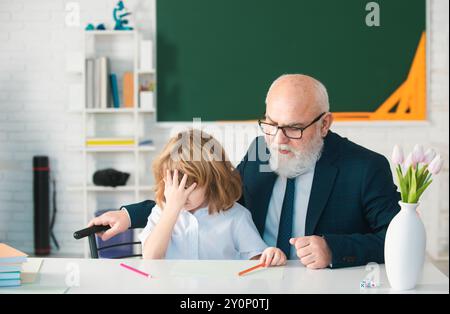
x=324 y=177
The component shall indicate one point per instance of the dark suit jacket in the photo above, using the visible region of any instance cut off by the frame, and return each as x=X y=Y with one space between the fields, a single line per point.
x=353 y=199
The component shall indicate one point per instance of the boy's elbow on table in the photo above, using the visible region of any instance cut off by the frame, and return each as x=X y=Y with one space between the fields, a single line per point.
x=148 y=255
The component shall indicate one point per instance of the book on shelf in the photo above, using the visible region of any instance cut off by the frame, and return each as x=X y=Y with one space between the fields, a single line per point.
x=101 y=142
x=90 y=83
x=114 y=90
x=128 y=90
x=146 y=142
x=105 y=99
x=98 y=84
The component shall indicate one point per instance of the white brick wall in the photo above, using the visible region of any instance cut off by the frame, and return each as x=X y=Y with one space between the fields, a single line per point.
x=34 y=89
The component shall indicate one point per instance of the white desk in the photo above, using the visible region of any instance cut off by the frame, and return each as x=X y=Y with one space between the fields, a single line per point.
x=106 y=276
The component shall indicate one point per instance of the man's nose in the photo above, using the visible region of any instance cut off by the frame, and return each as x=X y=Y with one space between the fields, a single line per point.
x=280 y=138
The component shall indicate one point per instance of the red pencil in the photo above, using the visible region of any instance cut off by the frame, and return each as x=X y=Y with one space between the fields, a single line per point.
x=251 y=269
x=135 y=270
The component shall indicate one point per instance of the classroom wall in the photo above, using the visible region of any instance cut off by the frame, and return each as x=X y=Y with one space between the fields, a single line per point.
x=34 y=90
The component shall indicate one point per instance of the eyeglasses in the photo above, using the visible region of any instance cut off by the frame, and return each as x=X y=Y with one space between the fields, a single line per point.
x=291 y=132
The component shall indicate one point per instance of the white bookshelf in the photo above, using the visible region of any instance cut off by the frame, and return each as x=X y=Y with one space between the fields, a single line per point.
x=94 y=188
x=122 y=50
x=119 y=110
x=114 y=149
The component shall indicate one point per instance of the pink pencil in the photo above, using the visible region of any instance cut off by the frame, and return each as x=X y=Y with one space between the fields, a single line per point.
x=137 y=271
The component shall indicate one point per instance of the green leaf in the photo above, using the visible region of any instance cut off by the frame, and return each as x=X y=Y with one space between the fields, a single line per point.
x=421 y=178
x=428 y=178
x=401 y=183
x=399 y=168
x=422 y=189
x=408 y=178
x=413 y=189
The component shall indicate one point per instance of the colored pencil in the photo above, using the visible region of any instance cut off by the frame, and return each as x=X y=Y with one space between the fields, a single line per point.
x=137 y=271
x=251 y=269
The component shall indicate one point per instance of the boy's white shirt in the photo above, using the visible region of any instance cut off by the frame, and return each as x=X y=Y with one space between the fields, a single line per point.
x=229 y=234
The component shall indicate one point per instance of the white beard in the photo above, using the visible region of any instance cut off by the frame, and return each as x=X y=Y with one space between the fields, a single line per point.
x=300 y=163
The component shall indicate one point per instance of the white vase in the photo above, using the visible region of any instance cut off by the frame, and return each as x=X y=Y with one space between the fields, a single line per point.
x=404 y=248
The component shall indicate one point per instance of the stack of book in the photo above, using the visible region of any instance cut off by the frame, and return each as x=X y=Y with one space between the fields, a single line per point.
x=11 y=261
x=102 y=89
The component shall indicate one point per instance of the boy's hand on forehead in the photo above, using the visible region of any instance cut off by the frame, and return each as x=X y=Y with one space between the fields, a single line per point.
x=175 y=190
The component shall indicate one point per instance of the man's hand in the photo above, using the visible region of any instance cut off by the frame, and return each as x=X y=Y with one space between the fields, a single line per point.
x=312 y=251
x=118 y=220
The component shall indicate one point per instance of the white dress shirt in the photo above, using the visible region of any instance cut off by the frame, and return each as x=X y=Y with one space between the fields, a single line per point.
x=303 y=185
x=229 y=234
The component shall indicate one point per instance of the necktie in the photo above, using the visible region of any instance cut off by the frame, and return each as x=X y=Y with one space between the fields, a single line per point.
x=286 y=218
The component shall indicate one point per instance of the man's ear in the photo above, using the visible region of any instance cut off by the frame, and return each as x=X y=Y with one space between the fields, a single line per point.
x=327 y=121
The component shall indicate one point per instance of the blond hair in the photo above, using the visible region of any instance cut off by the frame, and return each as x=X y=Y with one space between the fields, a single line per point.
x=202 y=158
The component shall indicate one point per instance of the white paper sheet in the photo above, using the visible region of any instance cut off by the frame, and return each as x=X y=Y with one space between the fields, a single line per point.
x=30 y=270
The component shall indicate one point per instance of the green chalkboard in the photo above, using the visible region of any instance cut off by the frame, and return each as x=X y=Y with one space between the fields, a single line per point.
x=217 y=58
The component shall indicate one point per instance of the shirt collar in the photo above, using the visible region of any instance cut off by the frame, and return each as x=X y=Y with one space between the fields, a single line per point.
x=199 y=212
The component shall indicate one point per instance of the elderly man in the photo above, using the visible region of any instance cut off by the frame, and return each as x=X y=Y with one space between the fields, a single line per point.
x=319 y=197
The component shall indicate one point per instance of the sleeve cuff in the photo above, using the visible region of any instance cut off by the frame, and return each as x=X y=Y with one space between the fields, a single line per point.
x=128 y=215
x=250 y=255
